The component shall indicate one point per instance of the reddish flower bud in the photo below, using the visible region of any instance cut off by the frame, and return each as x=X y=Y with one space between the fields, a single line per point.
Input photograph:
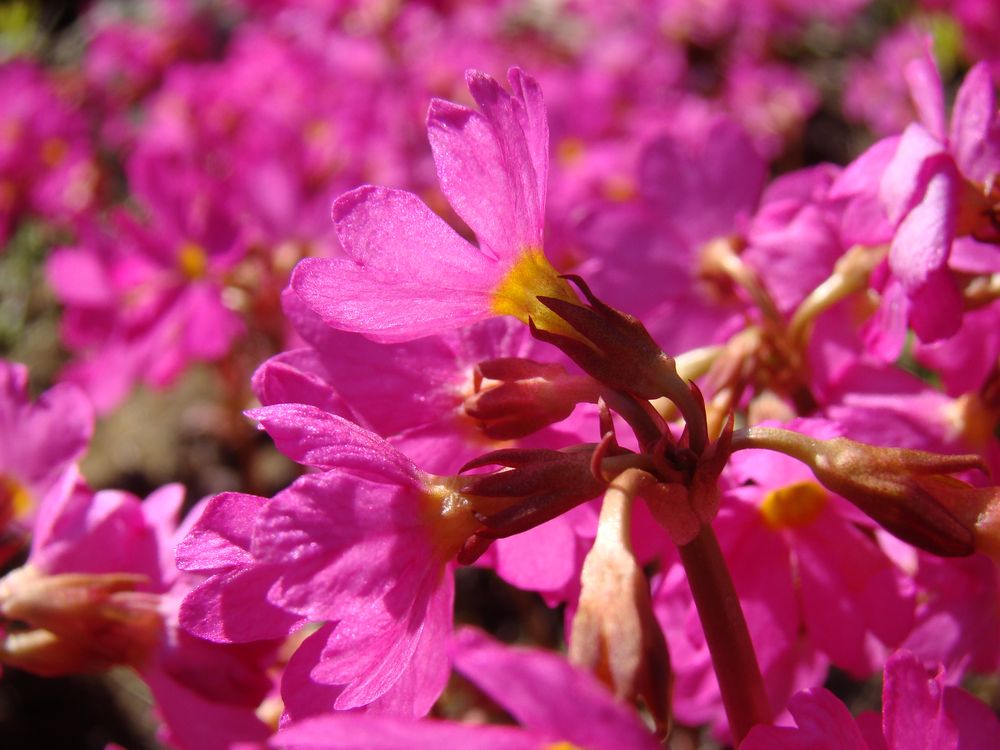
x=527 y=397
x=618 y=351
x=536 y=486
x=908 y=492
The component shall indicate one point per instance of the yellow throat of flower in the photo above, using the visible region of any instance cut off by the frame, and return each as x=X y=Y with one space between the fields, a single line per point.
x=531 y=277
x=192 y=260
x=448 y=517
x=794 y=506
x=15 y=500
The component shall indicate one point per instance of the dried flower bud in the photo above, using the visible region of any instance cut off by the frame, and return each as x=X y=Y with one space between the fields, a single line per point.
x=77 y=622
x=615 y=633
x=529 y=396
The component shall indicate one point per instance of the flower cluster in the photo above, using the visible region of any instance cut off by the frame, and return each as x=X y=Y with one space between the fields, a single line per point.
x=615 y=339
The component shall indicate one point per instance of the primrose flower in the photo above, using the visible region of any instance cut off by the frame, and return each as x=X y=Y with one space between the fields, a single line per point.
x=146 y=299
x=40 y=443
x=365 y=545
x=408 y=274
x=557 y=706
x=100 y=589
x=919 y=710
x=939 y=193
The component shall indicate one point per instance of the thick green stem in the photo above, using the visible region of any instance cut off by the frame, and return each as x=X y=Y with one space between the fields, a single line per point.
x=733 y=657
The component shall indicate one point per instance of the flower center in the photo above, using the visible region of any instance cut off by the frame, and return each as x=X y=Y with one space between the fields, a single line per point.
x=15 y=500
x=532 y=276
x=192 y=260
x=793 y=506
x=449 y=518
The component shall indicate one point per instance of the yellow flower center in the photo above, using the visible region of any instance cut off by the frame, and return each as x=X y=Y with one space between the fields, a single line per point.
x=564 y=745
x=15 y=500
x=192 y=260
x=794 y=506
x=531 y=277
x=448 y=516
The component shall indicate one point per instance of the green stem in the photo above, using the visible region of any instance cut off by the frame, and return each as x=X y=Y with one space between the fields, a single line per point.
x=733 y=656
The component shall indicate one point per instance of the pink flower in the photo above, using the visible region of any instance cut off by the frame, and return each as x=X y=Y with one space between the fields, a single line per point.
x=919 y=711
x=419 y=403
x=554 y=703
x=40 y=444
x=47 y=165
x=100 y=589
x=408 y=273
x=144 y=300
x=364 y=545
x=936 y=192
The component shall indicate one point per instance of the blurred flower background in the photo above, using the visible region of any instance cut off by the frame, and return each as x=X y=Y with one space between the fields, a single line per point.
x=164 y=164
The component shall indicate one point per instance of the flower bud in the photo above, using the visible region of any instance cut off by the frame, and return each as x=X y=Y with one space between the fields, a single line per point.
x=76 y=622
x=527 y=397
x=536 y=486
x=615 y=633
x=617 y=350
x=908 y=492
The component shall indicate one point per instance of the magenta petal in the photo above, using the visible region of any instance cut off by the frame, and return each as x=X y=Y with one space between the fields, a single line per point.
x=485 y=168
x=913 y=716
x=362 y=732
x=848 y=589
x=78 y=277
x=360 y=547
x=316 y=438
x=297 y=377
x=370 y=651
x=824 y=723
x=195 y=723
x=928 y=93
x=232 y=607
x=533 y=119
x=543 y=692
x=221 y=536
x=918 y=256
x=541 y=559
x=975 y=129
x=412 y=275
x=904 y=179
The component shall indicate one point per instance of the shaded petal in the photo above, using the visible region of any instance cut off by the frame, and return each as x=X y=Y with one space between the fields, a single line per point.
x=928 y=93
x=975 y=132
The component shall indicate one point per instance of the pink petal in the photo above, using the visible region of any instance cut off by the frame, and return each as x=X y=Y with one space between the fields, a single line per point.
x=543 y=692
x=316 y=438
x=412 y=275
x=904 y=180
x=928 y=93
x=485 y=167
x=975 y=130
x=913 y=716
x=824 y=723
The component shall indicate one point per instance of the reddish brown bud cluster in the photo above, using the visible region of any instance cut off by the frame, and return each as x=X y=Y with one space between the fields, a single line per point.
x=534 y=487
x=616 y=349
